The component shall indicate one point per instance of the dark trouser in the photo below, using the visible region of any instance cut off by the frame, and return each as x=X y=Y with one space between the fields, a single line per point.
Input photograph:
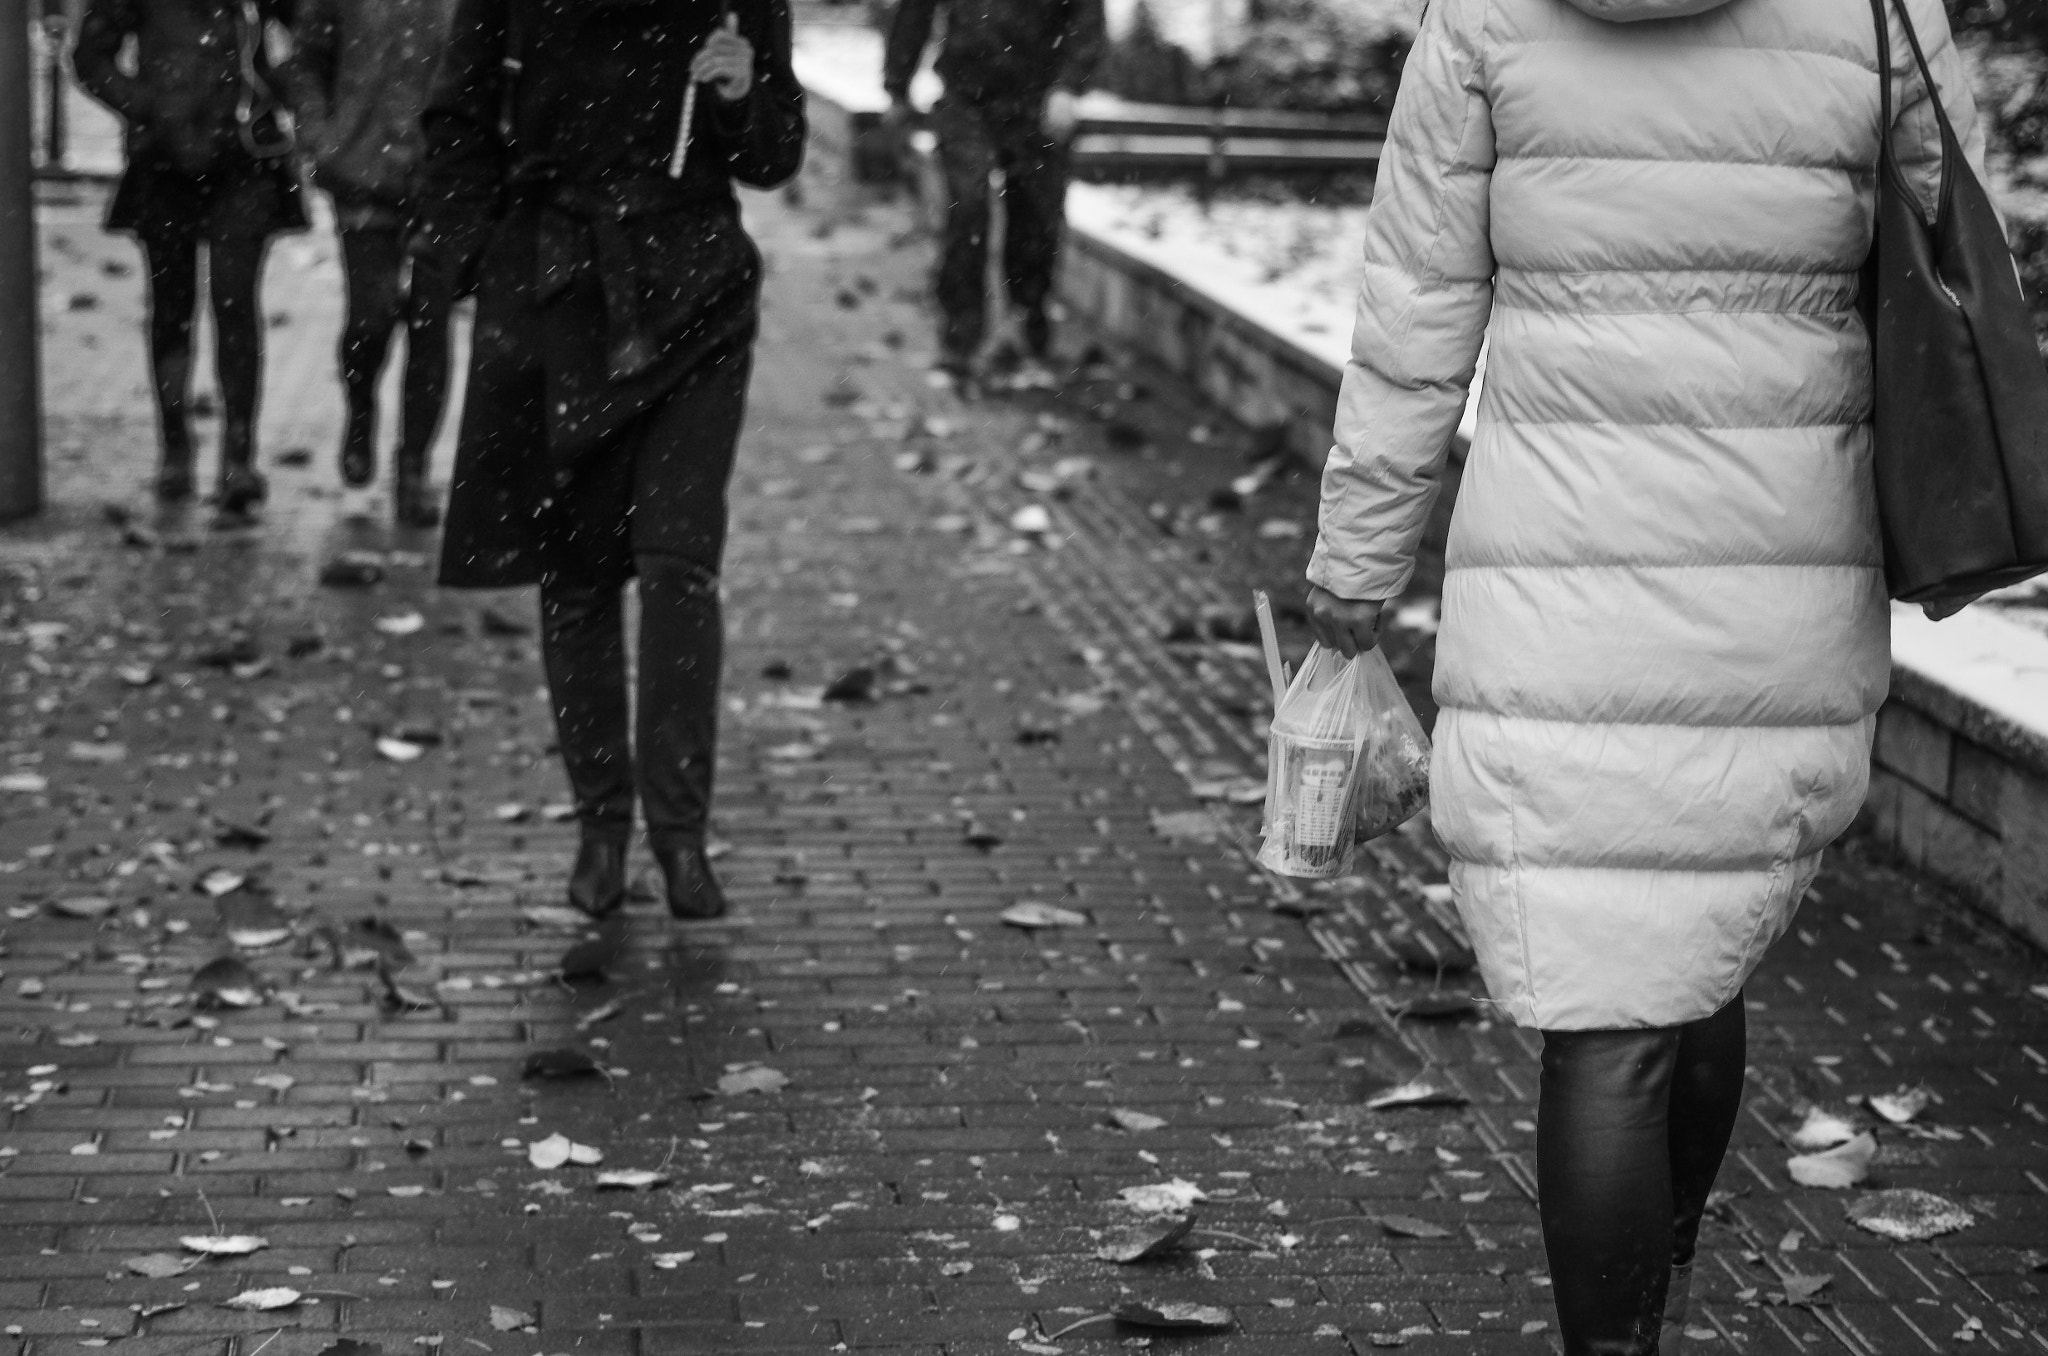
x=379 y=298
x=651 y=505
x=583 y=644
x=1632 y=1129
x=234 y=265
x=973 y=140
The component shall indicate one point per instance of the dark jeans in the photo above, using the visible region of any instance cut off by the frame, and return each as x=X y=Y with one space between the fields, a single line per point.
x=379 y=299
x=583 y=644
x=1632 y=1127
x=974 y=140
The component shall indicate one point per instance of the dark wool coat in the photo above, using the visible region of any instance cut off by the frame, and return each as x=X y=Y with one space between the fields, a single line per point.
x=179 y=107
x=1002 y=52
x=609 y=282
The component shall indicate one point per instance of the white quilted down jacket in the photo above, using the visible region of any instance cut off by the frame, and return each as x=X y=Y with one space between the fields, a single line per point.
x=1664 y=634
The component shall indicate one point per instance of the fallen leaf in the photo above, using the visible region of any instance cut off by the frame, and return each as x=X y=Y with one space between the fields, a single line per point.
x=1163 y=1198
x=161 y=1265
x=1908 y=1215
x=669 y=1261
x=1407 y=1226
x=560 y=1064
x=399 y=998
x=24 y=783
x=631 y=1179
x=217 y=1245
x=1141 y=1242
x=559 y=916
x=227 y=982
x=352 y=570
x=558 y=1149
x=1136 y=1121
x=220 y=882
x=1822 y=1129
x=1187 y=826
x=1835 y=1169
x=758 y=1078
x=1175 y=1317
x=82 y=906
x=1418 y=1092
x=1900 y=1107
x=1035 y=915
x=1031 y=520
x=262 y=1301
x=1802 y=1289
x=506 y=1319
x=854 y=685
x=399 y=750
x=400 y=623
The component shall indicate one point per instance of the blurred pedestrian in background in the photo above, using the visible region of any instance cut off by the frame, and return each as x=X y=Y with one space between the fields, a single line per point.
x=1012 y=70
x=359 y=77
x=617 y=304
x=208 y=166
x=1664 y=634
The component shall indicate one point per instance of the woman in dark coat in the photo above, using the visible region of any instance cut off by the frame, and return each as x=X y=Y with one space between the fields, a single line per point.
x=616 y=314
x=208 y=165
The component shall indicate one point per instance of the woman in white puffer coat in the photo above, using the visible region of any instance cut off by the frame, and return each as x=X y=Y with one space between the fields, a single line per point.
x=1665 y=634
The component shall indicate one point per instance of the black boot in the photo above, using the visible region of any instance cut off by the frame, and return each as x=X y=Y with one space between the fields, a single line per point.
x=597 y=883
x=693 y=892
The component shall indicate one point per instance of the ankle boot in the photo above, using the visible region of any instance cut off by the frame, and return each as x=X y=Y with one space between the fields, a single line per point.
x=242 y=488
x=597 y=883
x=693 y=892
x=411 y=501
x=359 y=445
x=1677 y=1299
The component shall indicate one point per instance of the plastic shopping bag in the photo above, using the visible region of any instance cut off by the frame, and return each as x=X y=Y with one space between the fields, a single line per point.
x=1346 y=762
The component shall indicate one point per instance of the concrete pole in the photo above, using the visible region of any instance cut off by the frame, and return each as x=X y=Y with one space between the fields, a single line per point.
x=21 y=433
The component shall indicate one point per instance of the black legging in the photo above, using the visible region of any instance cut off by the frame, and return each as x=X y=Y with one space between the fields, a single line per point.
x=583 y=647
x=373 y=263
x=234 y=267
x=1632 y=1129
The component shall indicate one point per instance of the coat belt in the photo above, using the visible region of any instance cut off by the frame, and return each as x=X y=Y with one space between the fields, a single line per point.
x=585 y=225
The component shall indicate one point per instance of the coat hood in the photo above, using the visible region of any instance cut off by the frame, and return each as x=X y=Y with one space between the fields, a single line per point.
x=1634 y=11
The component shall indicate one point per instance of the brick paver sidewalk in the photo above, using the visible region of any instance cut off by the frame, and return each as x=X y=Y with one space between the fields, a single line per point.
x=876 y=1116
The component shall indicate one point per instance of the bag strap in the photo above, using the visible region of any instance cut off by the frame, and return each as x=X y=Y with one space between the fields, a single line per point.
x=1884 y=70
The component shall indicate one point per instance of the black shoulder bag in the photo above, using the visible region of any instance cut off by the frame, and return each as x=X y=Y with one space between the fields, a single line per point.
x=1960 y=431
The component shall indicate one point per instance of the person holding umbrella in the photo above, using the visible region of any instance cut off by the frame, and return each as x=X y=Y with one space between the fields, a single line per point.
x=617 y=306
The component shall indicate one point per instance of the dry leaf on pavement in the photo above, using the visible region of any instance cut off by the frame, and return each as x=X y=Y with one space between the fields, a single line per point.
x=1141 y=1242
x=758 y=1078
x=1033 y=916
x=1835 y=1169
x=264 y=1300
x=1822 y=1129
x=1908 y=1215
x=506 y=1319
x=229 y=1245
x=161 y=1265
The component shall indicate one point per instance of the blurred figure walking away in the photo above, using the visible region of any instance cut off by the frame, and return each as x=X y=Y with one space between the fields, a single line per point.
x=209 y=165
x=1665 y=637
x=617 y=304
x=359 y=76
x=1012 y=69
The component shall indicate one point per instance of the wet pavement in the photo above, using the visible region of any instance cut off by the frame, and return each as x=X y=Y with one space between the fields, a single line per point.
x=865 y=1112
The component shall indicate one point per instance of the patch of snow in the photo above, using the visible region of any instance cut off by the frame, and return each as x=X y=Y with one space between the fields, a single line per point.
x=1982 y=654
